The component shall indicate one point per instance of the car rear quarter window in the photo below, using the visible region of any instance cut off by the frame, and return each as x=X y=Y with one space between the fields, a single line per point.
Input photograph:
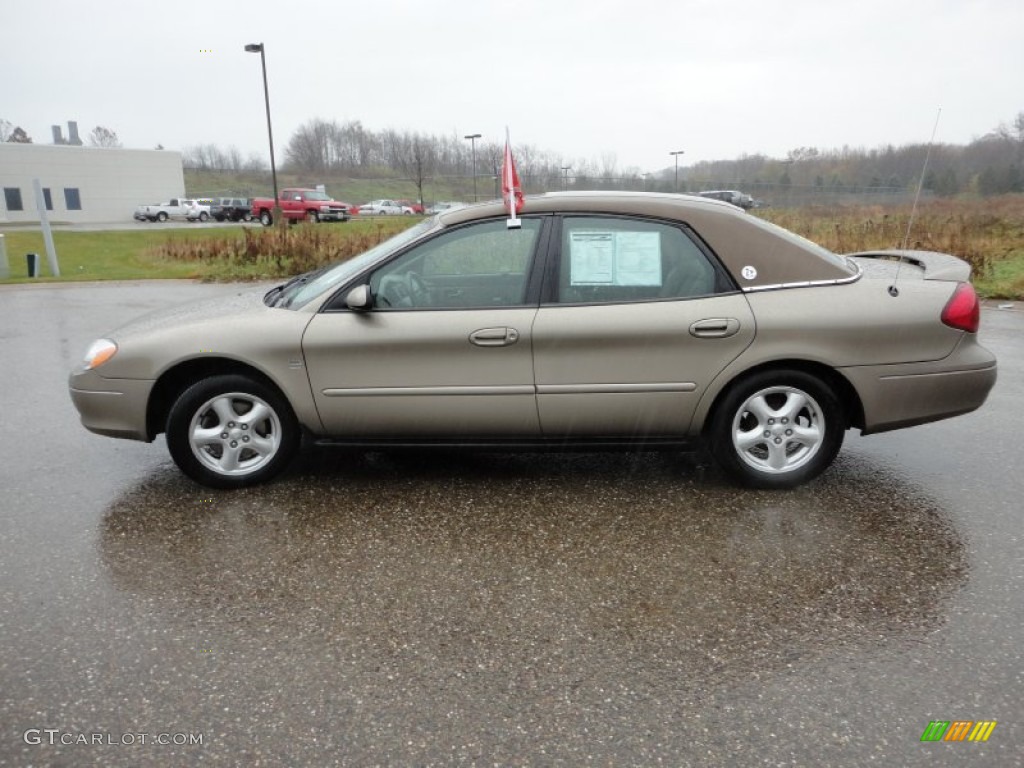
x=613 y=260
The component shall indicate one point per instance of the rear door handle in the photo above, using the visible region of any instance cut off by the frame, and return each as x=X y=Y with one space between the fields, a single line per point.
x=715 y=328
x=494 y=337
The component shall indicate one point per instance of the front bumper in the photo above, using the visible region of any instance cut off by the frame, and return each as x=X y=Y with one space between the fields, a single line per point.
x=111 y=407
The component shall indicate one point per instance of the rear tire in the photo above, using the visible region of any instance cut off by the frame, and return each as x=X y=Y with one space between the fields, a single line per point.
x=266 y=219
x=231 y=431
x=777 y=429
x=161 y=217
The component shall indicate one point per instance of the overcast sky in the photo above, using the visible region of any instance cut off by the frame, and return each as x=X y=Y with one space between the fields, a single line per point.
x=579 y=78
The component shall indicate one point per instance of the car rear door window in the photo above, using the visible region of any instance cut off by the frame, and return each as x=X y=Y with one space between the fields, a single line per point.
x=613 y=260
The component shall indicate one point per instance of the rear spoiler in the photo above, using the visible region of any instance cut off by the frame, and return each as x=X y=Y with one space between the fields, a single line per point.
x=936 y=266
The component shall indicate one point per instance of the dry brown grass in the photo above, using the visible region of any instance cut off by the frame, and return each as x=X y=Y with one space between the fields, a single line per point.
x=983 y=232
x=280 y=251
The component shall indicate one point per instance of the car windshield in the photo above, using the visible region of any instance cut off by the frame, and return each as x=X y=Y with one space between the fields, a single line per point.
x=317 y=196
x=299 y=292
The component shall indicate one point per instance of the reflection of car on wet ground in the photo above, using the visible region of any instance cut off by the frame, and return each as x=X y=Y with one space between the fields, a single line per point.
x=606 y=320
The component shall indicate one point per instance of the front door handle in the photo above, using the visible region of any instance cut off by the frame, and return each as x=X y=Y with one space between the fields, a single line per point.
x=715 y=328
x=494 y=337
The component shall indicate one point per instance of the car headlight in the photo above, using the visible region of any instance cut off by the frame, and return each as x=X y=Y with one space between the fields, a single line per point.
x=100 y=351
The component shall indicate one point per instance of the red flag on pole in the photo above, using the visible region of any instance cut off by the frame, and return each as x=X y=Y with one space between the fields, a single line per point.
x=511 y=191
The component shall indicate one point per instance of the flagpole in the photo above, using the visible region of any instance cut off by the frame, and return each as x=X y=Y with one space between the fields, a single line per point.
x=513 y=222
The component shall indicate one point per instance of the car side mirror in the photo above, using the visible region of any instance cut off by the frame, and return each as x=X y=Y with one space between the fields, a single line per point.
x=359 y=298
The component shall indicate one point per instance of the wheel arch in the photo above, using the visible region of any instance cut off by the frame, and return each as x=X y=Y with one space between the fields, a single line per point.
x=177 y=379
x=844 y=390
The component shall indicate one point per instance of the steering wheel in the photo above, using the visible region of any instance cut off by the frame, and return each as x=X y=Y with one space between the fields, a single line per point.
x=417 y=290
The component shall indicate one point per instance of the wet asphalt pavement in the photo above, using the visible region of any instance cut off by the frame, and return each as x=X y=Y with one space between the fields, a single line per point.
x=492 y=609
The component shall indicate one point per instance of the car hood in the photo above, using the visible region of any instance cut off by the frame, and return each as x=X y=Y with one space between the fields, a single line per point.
x=235 y=326
x=198 y=312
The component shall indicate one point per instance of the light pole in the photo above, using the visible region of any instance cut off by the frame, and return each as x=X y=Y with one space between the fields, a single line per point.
x=258 y=48
x=565 y=176
x=645 y=175
x=472 y=142
x=677 y=153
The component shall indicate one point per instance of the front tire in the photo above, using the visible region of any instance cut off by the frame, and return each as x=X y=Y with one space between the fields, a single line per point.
x=777 y=429
x=203 y=216
x=231 y=431
x=312 y=217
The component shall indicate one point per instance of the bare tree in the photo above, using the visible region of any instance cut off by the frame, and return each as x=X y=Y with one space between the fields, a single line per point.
x=18 y=136
x=5 y=129
x=104 y=137
x=416 y=156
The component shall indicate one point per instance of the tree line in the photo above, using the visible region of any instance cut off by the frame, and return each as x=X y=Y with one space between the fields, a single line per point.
x=992 y=164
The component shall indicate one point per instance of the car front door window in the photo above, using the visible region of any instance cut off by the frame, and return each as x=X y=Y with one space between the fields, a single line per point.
x=480 y=266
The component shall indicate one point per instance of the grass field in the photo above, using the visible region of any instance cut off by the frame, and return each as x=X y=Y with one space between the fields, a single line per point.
x=204 y=253
x=988 y=233
x=117 y=255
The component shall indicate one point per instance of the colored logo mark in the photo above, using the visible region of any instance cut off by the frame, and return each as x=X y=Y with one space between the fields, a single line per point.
x=958 y=730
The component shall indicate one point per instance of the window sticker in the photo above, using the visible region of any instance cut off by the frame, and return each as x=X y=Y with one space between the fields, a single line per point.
x=614 y=258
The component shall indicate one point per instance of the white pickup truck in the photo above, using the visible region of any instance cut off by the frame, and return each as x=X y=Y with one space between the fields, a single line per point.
x=175 y=208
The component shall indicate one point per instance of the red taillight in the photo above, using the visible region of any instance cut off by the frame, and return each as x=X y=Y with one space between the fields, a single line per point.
x=963 y=311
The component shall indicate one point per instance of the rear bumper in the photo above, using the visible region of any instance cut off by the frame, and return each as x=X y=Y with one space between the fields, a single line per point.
x=897 y=396
x=111 y=407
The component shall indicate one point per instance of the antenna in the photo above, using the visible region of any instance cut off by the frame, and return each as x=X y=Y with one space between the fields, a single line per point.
x=893 y=290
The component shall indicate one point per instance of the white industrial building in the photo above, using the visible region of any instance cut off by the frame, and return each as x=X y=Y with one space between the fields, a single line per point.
x=85 y=184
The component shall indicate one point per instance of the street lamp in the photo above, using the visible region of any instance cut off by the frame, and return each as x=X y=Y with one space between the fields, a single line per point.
x=645 y=175
x=472 y=141
x=677 y=153
x=258 y=48
x=565 y=176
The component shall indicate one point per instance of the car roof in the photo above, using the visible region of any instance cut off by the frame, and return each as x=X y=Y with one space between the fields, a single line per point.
x=765 y=255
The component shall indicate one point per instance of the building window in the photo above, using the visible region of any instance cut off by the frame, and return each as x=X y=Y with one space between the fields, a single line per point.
x=72 y=199
x=47 y=198
x=12 y=195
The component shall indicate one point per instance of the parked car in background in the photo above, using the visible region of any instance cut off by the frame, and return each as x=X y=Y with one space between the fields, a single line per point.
x=231 y=209
x=384 y=208
x=199 y=210
x=733 y=196
x=416 y=208
x=605 y=320
x=175 y=208
x=440 y=207
x=300 y=205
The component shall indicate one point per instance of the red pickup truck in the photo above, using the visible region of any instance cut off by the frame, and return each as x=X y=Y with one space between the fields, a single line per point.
x=300 y=205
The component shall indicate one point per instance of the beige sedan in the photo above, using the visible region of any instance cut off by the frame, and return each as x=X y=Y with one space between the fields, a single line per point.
x=633 y=321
